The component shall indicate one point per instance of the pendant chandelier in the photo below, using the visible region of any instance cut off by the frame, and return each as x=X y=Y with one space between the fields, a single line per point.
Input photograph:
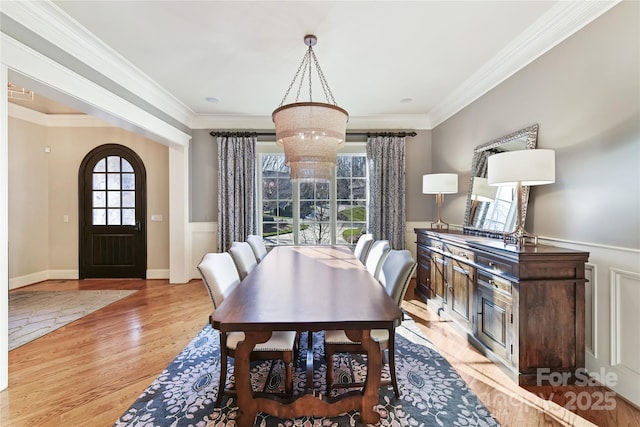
x=310 y=132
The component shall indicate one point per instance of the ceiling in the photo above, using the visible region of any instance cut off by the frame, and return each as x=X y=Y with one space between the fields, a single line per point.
x=422 y=59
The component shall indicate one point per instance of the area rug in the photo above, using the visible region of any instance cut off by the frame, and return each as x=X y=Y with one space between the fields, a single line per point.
x=432 y=393
x=36 y=313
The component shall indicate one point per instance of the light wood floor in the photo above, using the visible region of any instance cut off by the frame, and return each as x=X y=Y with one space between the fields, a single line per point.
x=89 y=372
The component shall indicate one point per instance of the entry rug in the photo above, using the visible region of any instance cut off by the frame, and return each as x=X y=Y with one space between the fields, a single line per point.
x=432 y=393
x=36 y=313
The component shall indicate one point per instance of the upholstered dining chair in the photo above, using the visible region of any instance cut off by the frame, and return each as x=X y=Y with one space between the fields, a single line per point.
x=257 y=245
x=362 y=247
x=220 y=277
x=396 y=272
x=375 y=258
x=244 y=258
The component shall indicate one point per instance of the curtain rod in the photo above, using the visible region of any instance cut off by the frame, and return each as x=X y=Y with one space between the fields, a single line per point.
x=361 y=134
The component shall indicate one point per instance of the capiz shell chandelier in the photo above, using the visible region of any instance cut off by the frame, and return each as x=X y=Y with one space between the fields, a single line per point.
x=310 y=132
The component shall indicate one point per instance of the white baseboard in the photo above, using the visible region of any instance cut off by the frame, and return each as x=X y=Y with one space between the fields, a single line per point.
x=158 y=274
x=29 y=279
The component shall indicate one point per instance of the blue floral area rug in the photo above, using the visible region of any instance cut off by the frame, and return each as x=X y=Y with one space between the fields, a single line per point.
x=432 y=392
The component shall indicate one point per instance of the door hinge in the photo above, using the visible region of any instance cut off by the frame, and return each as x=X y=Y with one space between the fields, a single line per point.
x=511 y=317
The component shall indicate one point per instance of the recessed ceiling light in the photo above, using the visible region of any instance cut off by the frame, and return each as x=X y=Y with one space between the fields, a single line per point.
x=212 y=99
x=406 y=100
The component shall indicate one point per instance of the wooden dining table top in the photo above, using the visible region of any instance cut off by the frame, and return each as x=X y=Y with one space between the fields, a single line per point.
x=307 y=288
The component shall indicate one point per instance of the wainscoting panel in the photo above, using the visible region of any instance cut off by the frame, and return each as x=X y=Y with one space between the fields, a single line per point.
x=204 y=239
x=625 y=302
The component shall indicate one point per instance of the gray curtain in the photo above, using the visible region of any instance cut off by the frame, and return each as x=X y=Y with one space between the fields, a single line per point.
x=236 y=189
x=386 y=158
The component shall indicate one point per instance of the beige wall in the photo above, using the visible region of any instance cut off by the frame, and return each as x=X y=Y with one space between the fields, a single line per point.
x=585 y=95
x=28 y=200
x=56 y=182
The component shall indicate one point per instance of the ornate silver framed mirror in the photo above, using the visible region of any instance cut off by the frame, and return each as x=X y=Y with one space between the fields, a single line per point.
x=491 y=211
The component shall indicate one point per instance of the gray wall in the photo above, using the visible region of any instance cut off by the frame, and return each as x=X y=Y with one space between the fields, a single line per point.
x=203 y=182
x=203 y=179
x=585 y=95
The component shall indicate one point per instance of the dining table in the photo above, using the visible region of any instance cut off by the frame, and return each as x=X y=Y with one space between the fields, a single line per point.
x=307 y=289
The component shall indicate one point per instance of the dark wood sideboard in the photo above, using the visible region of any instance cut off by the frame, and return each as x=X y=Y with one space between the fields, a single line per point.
x=523 y=308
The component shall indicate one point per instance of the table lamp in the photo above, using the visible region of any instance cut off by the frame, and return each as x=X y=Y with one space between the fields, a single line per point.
x=440 y=184
x=520 y=168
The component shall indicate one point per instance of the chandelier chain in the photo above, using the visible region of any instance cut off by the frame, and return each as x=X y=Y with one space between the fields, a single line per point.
x=323 y=81
x=295 y=77
x=306 y=62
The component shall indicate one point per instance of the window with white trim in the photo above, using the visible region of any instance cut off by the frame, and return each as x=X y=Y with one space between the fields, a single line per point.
x=310 y=213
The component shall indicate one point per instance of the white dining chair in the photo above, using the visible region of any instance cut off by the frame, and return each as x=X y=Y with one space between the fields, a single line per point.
x=243 y=257
x=396 y=272
x=362 y=247
x=375 y=258
x=220 y=277
x=257 y=245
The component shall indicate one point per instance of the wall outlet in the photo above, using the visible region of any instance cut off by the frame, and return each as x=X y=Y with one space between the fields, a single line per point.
x=156 y=217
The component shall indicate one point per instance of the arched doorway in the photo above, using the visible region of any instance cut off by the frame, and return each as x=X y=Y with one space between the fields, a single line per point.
x=112 y=214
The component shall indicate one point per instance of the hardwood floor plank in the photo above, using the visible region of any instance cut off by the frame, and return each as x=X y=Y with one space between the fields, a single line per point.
x=90 y=371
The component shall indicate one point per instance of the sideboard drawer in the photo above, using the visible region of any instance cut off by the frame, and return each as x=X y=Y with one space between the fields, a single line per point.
x=494 y=282
x=495 y=264
x=462 y=253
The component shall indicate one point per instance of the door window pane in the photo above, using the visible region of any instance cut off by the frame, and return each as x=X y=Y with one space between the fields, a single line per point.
x=113 y=164
x=128 y=181
x=126 y=166
x=128 y=217
x=99 y=181
x=99 y=199
x=128 y=199
x=113 y=199
x=113 y=217
x=113 y=181
x=99 y=217
x=100 y=166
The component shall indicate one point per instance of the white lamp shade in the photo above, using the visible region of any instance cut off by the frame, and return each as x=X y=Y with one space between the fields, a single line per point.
x=440 y=183
x=528 y=167
x=482 y=191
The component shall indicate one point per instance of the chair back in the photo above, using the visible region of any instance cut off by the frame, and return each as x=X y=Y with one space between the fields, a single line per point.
x=258 y=246
x=377 y=254
x=362 y=247
x=396 y=272
x=244 y=258
x=219 y=275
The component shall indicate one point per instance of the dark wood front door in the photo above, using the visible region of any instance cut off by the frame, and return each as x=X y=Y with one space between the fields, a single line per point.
x=112 y=204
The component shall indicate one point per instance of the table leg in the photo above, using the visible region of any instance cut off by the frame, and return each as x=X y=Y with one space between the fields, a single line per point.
x=374 y=369
x=242 y=366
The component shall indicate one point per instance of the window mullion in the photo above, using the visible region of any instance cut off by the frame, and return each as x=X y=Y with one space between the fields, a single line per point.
x=296 y=212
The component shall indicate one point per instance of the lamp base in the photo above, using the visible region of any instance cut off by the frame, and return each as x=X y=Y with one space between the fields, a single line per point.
x=520 y=237
x=439 y=225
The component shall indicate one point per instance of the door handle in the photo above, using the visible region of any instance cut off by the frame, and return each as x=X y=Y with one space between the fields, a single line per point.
x=138 y=226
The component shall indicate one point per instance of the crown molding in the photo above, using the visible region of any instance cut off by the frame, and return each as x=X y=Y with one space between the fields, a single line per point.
x=48 y=21
x=561 y=21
